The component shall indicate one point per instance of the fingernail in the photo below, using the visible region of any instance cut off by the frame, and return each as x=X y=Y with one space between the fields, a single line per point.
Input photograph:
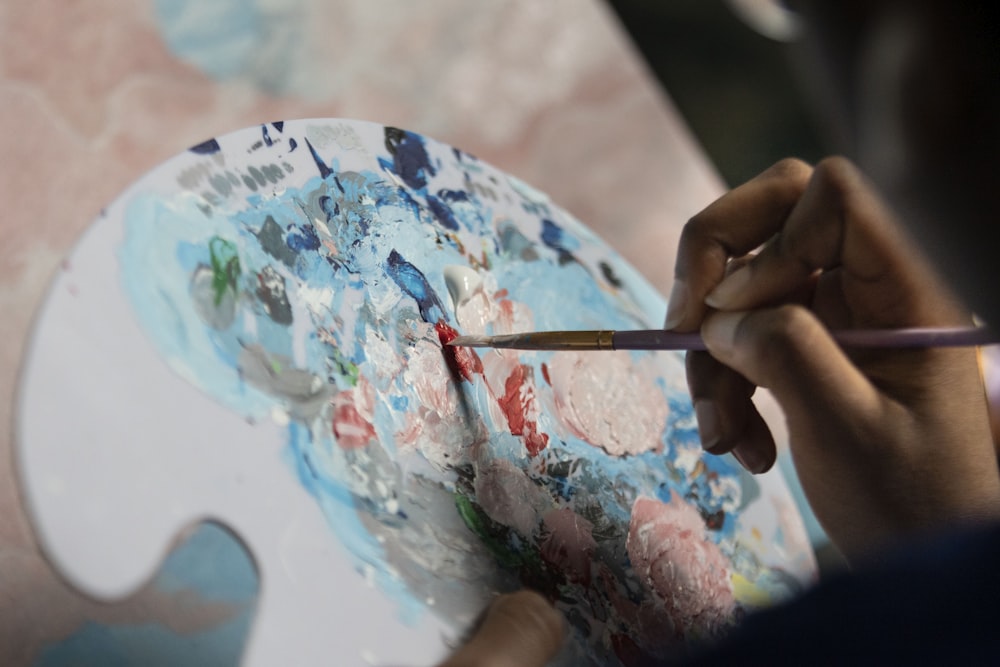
x=719 y=331
x=676 y=304
x=751 y=459
x=729 y=288
x=709 y=427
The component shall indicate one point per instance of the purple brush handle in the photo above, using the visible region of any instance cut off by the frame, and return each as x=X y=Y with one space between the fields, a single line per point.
x=657 y=339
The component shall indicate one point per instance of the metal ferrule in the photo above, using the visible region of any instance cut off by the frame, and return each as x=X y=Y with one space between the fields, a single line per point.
x=556 y=340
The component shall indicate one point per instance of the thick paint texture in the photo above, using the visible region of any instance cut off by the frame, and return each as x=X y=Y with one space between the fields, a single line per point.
x=325 y=303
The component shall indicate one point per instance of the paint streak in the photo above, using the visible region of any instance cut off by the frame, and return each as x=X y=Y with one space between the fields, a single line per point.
x=206 y=147
x=324 y=171
x=225 y=266
x=442 y=213
x=518 y=405
x=462 y=361
x=268 y=141
x=410 y=279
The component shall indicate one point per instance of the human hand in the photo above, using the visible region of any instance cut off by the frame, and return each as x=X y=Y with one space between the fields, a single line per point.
x=518 y=630
x=885 y=442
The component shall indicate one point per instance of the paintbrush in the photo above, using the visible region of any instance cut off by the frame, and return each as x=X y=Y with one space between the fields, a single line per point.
x=658 y=339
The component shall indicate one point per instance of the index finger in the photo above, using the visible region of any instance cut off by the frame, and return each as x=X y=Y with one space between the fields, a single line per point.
x=732 y=226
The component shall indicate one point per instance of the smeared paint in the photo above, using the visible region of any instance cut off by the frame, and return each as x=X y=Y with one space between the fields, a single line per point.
x=673 y=556
x=608 y=401
x=225 y=263
x=569 y=543
x=462 y=283
x=412 y=282
x=462 y=361
x=521 y=409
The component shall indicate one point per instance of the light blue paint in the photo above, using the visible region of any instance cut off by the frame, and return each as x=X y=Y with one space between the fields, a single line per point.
x=214 y=566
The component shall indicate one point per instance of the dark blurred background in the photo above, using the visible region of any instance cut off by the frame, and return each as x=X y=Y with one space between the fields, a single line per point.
x=734 y=86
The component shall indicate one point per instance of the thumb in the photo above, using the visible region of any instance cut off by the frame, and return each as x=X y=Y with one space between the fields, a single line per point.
x=518 y=630
x=787 y=350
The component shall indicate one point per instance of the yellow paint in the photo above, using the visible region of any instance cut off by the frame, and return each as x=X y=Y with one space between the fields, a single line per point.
x=749 y=594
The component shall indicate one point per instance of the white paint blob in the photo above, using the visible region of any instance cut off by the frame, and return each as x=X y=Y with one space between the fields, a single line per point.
x=462 y=283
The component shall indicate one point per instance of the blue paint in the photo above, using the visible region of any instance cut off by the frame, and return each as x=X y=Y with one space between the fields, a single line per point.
x=306 y=239
x=556 y=238
x=453 y=195
x=324 y=170
x=206 y=147
x=279 y=125
x=442 y=213
x=410 y=160
x=329 y=205
x=266 y=136
x=412 y=282
x=292 y=145
x=212 y=565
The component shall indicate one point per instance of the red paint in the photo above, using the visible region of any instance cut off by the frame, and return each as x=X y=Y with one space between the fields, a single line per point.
x=352 y=430
x=461 y=360
x=545 y=374
x=500 y=293
x=515 y=404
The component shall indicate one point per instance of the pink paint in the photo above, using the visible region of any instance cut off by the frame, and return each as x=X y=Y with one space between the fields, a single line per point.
x=509 y=497
x=672 y=555
x=609 y=402
x=568 y=543
x=353 y=411
x=518 y=405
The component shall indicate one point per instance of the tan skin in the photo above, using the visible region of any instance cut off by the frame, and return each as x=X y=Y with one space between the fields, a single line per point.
x=887 y=444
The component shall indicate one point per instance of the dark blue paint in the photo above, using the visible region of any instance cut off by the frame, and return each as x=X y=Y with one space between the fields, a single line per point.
x=266 y=136
x=554 y=237
x=453 y=195
x=324 y=170
x=206 y=147
x=279 y=125
x=307 y=240
x=292 y=145
x=410 y=160
x=412 y=281
x=442 y=213
x=329 y=206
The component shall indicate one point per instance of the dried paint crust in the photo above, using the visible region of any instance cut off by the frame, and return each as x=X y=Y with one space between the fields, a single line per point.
x=319 y=299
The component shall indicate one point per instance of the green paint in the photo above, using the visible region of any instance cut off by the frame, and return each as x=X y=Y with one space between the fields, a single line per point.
x=477 y=521
x=225 y=266
x=348 y=369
